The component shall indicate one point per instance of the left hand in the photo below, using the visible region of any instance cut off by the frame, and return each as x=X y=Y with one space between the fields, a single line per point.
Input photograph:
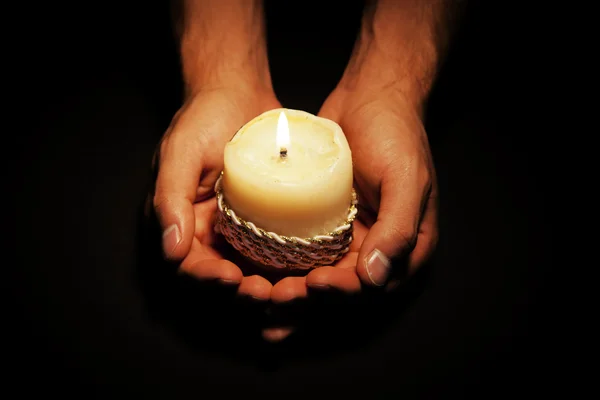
x=394 y=176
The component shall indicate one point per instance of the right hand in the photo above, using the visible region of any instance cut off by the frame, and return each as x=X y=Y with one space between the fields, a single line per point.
x=189 y=161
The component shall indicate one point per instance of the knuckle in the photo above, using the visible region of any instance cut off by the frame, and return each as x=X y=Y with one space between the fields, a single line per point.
x=425 y=176
x=159 y=201
x=164 y=144
x=186 y=268
x=415 y=165
x=406 y=238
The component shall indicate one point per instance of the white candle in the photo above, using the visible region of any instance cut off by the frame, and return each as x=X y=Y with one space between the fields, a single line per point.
x=289 y=172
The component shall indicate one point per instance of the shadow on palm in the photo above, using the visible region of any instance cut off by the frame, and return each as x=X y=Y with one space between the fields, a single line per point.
x=219 y=302
x=211 y=317
x=207 y=316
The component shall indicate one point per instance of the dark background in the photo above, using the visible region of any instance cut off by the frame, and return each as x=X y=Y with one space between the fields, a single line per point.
x=92 y=312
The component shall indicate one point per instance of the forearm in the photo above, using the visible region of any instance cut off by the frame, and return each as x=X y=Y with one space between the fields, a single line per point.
x=222 y=43
x=401 y=45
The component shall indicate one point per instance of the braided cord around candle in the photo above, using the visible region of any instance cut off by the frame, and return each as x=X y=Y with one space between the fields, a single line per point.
x=278 y=251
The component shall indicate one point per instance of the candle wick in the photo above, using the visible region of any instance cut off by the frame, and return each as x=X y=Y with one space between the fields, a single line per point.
x=282 y=152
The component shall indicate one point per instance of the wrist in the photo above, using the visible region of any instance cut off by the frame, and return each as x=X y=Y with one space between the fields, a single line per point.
x=230 y=71
x=223 y=45
x=394 y=54
x=372 y=71
x=243 y=82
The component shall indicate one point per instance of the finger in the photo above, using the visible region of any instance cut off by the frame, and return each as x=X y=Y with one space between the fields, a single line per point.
x=427 y=238
x=206 y=188
x=176 y=186
x=204 y=264
x=222 y=271
x=205 y=215
x=256 y=287
x=278 y=334
x=289 y=289
x=394 y=234
x=343 y=280
x=348 y=261
x=330 y=108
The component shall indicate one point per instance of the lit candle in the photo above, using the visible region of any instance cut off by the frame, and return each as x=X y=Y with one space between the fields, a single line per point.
x=283 y=135
x=289 y=172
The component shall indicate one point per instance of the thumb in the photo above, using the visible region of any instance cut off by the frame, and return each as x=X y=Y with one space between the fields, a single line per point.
x=394 y=234
x=176 y=186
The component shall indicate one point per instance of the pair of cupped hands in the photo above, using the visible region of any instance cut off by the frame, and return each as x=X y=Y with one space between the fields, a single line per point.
x=396 y=229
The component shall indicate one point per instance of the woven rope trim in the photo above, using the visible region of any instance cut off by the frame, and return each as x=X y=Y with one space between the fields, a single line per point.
x=278 y=251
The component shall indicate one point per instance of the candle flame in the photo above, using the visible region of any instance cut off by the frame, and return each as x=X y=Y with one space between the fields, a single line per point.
x=283 y=132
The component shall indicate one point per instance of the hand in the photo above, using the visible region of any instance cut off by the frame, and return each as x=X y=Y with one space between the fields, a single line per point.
x=395 y=180
x=189 y=162
x=396 y=230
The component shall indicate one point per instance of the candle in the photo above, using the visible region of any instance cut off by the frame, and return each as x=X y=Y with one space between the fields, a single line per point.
x=289 y=172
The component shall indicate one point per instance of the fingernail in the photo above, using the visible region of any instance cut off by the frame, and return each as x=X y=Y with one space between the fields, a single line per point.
x=256 y=298
x=228 y=281
x=318 y=286
x=171 y=238
x=378 y=267
x=275 y=335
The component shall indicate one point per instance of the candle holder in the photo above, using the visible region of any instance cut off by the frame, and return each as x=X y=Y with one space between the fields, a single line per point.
x=282 y=252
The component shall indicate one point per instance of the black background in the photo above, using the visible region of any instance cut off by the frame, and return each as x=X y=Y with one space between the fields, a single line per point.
x=96 y=315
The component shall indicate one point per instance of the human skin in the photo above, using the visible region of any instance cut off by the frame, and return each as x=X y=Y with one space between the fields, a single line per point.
x=227 y=83
x=379 y=103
